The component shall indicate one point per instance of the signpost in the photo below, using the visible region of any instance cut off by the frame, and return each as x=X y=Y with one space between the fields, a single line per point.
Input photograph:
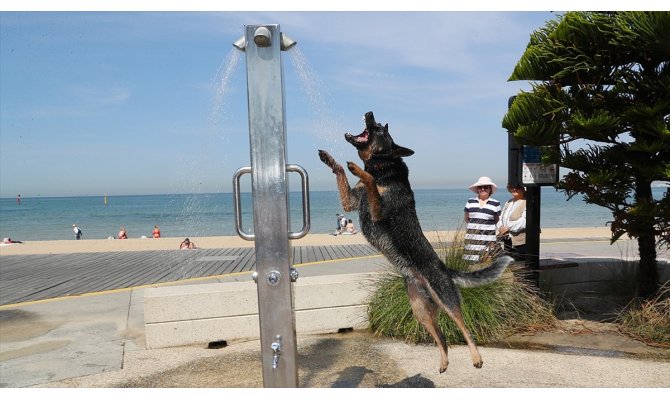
x=525 y=168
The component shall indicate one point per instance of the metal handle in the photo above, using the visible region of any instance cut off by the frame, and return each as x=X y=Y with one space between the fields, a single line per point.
x=236 y=203
x=305 y=201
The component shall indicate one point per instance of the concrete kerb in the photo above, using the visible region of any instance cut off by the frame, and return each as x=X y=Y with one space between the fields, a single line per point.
x=228 y=312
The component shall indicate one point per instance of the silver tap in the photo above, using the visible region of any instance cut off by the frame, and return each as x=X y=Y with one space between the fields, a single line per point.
x=276 y=351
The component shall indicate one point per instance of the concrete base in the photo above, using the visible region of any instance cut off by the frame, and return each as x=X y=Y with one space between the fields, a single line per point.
x=206 y=313
x=599 y=286
x=217 y=312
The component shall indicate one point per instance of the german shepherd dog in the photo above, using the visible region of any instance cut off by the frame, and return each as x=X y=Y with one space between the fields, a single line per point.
x=386 y=207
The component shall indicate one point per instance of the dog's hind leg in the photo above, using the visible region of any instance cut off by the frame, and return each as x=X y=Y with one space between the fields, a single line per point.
x=457 y=317
x=451 y=304
x=425 y=311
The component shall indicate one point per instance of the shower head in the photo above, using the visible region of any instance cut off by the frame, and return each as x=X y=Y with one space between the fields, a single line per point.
x=286 y=42
x=263 y=38
x=240 y=43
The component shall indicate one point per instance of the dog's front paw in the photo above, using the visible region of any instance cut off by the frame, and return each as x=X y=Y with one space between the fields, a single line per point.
x=325 y=157
x=329 y=161
x=355 y=169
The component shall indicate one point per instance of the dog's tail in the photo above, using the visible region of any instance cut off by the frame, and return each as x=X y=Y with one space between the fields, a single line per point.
x=482 y=276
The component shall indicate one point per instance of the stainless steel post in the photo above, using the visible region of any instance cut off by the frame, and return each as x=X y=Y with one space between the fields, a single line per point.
x=267 y=138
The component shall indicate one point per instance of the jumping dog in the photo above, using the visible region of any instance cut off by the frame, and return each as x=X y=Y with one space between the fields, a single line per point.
x=388 y=220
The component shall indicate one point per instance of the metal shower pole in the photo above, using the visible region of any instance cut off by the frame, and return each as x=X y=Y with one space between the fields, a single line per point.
x=267 y=137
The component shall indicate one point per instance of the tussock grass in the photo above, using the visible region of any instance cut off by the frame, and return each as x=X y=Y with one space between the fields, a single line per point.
x=649 y=321
x=492 y=312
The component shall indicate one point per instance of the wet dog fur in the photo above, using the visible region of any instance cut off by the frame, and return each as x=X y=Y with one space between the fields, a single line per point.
x=388 y=220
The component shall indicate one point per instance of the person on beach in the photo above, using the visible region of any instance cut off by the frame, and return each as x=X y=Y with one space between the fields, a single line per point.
x=338 y=223
x=122 y=233
x=343 y=223
x=481 y=215
x=77 y=231
x=351 y=230
x=187 y=245
x=7 y=241
x=512 y=224
x=156 y=233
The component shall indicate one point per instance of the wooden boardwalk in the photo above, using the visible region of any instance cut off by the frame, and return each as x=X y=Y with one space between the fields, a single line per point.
x=37 y=277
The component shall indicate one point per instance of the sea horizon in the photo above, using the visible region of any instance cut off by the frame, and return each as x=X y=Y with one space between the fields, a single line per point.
x=212 y=214
x=655 y=186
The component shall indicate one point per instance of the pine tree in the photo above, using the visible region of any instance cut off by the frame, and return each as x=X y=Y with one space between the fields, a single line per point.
x=601 y=99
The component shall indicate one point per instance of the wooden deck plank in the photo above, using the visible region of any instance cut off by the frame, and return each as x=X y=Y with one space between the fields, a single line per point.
x=202 y=265
x=104 y=275
x=331 y=253
x=304 y=254
x=246 y=261
x=135 y=269
x=60 y=275
x=221 y=266
x=144 y=272
x=338 y=254
x=346 y=250
x=324 y=254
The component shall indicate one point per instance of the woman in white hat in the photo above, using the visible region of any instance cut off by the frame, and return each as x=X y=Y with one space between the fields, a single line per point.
x=481 y=215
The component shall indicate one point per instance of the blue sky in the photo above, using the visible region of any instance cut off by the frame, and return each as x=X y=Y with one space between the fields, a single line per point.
x=155 y=102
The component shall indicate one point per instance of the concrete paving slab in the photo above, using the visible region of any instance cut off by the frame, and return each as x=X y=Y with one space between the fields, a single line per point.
x=58 y=340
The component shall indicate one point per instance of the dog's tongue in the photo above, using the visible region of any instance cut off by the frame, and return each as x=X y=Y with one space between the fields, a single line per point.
x=363 y=137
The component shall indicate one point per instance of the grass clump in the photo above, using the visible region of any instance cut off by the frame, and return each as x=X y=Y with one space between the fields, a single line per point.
x=649 y=321
x=492 y=312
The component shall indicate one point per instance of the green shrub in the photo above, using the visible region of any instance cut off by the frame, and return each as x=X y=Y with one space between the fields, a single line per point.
x=490 y=312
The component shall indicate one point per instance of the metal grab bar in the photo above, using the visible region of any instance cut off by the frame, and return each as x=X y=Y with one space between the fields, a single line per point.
x=305 y=202
x=237 y=203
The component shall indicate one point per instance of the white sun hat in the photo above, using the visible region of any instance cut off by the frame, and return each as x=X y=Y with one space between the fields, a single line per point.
x=484 y=181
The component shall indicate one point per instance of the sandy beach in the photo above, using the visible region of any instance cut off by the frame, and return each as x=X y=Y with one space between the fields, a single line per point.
x=170 y=243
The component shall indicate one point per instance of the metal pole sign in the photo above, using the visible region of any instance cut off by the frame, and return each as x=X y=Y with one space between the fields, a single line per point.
x=525 y=168
x=267 y=137
x=533 y=171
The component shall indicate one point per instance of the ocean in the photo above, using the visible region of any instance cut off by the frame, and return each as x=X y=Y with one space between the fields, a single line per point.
x=196 y=215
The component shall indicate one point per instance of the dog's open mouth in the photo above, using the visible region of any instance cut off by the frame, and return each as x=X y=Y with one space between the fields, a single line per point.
x=359 y=140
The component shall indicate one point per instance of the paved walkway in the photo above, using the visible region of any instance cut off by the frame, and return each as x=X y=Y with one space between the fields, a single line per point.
x=97 y=340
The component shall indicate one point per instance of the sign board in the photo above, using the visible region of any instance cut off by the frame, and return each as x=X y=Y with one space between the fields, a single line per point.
x=533 y=171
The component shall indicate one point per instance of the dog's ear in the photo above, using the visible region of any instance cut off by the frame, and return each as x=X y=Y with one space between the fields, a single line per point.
x=400 y=151
x=386 y=128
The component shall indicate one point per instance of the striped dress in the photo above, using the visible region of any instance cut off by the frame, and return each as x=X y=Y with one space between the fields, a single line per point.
x=480 y=228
